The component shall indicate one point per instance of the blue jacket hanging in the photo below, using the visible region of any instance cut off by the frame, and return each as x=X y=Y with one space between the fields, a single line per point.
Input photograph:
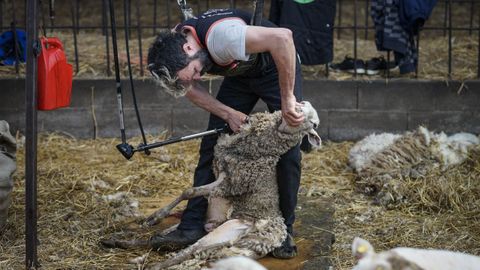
x=414 y=13
x=7 y=48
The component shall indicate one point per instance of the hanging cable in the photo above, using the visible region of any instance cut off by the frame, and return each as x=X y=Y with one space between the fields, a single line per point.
x=117 y=72
x=127 y=48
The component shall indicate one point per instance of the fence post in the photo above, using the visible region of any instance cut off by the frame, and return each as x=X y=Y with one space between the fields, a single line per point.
x=31 y=261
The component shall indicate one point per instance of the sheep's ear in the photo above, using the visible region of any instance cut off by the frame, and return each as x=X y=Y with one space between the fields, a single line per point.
x=314 y=139
x=5 y=136
x=361 y=248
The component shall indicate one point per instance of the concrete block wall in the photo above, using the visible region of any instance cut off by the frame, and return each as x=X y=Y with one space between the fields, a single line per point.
x=348 y=110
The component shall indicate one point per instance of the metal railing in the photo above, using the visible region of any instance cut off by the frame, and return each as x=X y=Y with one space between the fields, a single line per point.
x=352 y=20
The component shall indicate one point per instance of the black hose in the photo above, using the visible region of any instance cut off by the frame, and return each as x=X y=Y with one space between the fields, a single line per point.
x=127 y=27
x=117 y=70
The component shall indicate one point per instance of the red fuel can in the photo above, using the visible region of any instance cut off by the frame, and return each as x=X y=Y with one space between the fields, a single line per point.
x=54 y=75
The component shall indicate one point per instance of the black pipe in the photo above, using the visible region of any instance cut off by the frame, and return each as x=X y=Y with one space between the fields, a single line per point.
x=117 y=70
x=31 y=261
x=478 y=55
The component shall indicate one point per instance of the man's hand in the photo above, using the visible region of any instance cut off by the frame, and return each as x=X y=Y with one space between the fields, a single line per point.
x=289 y=113
x=235 y=119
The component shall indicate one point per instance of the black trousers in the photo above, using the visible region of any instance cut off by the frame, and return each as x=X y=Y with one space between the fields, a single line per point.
x=242 y=93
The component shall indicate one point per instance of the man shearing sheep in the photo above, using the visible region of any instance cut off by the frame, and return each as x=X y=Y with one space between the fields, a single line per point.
x=257 y=62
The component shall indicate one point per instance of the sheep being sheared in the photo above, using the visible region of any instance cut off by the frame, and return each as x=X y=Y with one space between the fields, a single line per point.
x=379 y=159
x=243 y=217
x=410 y=258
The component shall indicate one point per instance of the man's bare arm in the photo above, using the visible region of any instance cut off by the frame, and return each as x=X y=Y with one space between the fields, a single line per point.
x=200 y=97
x=279 y=43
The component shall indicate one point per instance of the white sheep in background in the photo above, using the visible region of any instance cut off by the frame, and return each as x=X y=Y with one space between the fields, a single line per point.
x=446 y=150
x=8 y=165
x=236 y=263
x=243 y=217
x=410 y=258
x=377 y=159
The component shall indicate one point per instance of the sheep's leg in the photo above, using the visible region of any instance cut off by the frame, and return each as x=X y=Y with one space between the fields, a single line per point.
x=186 y=195
x=224 y=235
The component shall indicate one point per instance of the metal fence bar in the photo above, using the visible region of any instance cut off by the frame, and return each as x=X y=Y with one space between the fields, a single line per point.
x=74 y=35
x=478 y=55
x=366 y=19
x=139 y=36
x=154 y=16
x=339 y=18
x=449 y=39
x=445 y=18
x=77 y=16
x=1 y=14
x=105 y=26
x=104 y=19
x=31 y=261
x=169 y=16
x=151 y=26
x=129 y=17
x=15 y=39
x=51 y=12
x=418 y=54
x=472 y=8
x=355 y=37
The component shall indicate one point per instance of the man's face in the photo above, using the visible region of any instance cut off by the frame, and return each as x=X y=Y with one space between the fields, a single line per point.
x=196 y=67
x=191 y=72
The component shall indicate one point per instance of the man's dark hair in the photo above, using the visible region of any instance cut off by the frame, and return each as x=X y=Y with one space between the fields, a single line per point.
x=165 y=58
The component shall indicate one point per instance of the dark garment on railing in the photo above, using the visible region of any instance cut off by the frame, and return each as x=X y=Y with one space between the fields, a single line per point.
x=414 y=13
x=312 y=27
x=390 y=34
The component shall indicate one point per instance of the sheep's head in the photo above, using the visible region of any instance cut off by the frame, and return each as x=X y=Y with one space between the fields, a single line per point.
x=7 y=141
x=363 y=251
x=308 y=126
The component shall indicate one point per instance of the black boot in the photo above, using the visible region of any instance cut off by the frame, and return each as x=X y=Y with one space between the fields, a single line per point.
x=287 y=250
x=175 y=240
